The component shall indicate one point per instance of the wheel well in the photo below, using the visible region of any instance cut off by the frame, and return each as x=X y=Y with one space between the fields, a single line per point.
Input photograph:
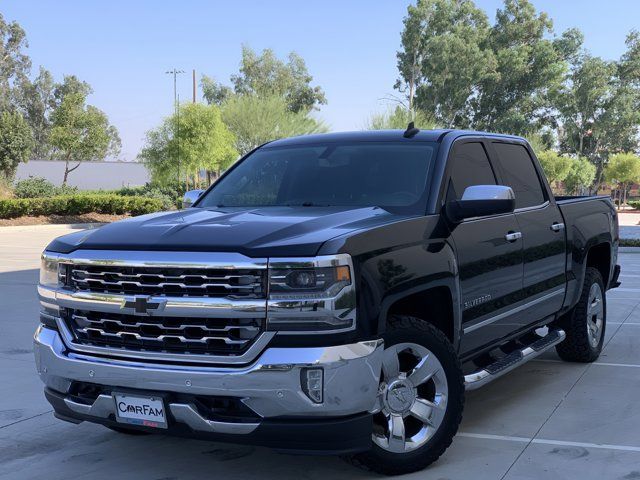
x=599 y=257
x=433 y=306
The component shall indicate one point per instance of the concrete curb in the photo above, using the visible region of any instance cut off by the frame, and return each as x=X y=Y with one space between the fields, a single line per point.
x=71 y=226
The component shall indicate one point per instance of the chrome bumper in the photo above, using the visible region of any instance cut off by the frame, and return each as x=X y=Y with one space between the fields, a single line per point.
x=270 y=385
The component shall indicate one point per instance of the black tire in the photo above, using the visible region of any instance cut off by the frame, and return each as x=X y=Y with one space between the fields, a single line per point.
x=401 y=329
x=128 y=431
x=577 y=347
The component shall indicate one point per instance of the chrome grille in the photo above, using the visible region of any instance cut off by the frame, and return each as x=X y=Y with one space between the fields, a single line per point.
x=174 y=282
x=214 y=336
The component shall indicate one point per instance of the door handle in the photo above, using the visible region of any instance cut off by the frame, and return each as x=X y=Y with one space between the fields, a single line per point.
x=513 y=236
x=556 y=227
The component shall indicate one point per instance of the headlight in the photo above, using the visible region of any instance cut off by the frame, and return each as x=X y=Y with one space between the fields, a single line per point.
x=52 y=272
x=319 y=282
x=314 y=295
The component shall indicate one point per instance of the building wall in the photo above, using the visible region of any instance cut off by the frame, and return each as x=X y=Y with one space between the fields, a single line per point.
x=89 y=175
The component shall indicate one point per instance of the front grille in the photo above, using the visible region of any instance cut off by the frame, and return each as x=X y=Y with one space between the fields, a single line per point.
x=213 y=336
x=171 y=282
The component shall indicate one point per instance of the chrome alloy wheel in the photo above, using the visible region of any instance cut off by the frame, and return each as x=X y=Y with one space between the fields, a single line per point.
x=412 y=398
x=595 y=315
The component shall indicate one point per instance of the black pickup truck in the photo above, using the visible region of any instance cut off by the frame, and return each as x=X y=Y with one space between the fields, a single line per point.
x=332 y=294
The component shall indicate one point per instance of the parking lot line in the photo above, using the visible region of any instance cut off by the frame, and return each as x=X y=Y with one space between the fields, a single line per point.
x=545 y=441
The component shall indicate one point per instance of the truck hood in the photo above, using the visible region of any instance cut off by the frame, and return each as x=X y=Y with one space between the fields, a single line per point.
x=257 y=232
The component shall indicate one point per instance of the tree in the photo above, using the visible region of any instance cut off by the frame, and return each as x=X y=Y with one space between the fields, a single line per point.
x=398 y=118
x=442 y=58
x=36 y=102
x=194 y=139
x=214 y=92
x=556 y=167
x=599 y=107
x=580 y=176
x=14 y=63
x=622 y=171
x=81 y=133
x=255 y=120
x=16 y=143
x=468 y=74
x=529 y=63
x=265 y=75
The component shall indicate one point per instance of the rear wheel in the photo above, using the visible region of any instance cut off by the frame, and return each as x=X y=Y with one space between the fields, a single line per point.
x=420 y=399
x=585 y=324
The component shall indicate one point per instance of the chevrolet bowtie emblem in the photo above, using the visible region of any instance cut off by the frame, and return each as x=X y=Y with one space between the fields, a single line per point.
x=143 y=305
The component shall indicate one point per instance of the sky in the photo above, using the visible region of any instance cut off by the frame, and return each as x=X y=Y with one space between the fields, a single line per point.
x=123 y=48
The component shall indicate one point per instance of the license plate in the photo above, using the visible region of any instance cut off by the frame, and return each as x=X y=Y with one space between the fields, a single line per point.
x=143 y=411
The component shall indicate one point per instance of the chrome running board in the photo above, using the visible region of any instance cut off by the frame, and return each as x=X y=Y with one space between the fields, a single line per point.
x=514 y=359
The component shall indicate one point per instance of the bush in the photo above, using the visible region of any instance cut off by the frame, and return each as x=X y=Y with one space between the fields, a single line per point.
x=635 y=204
x=78 y=205
x=34 y=187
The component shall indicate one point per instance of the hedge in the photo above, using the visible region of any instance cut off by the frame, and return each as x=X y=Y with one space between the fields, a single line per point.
x=78 y=205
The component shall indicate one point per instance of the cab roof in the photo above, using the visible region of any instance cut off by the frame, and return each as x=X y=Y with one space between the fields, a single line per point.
x=379 y=136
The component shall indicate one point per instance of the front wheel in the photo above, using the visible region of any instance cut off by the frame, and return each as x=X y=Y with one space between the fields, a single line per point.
x=420 y=399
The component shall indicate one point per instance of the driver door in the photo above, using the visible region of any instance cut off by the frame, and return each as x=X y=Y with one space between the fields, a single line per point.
x=490 y=260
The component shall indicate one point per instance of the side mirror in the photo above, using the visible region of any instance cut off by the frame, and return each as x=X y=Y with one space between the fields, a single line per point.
x=190 y=197
x=480 y=201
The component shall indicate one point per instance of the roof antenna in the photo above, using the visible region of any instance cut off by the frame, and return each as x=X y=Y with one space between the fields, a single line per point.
x=411 y=131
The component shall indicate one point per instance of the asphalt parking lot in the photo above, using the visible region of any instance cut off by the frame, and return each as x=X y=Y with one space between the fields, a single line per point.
x=548 y=419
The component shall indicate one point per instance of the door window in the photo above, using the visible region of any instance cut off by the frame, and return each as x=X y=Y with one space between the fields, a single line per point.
x=470 y=166
x=519 y=173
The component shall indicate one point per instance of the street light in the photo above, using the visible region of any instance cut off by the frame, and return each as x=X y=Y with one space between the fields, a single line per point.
x=175 y=72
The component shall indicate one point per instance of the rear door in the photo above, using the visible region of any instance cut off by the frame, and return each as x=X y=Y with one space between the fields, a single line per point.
x=489 y=265
x=543 y=235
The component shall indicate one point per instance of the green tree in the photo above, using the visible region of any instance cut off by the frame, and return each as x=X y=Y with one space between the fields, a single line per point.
x=529 y=63
x=580 y=176
x=14 y=63
x=36 y=102
x=255 y=120
x=443 y=58
x=81 y=133
x=194 y=139
x=468 y=74
x=16 y=143
x=398 y=118
x=265 y=75
x=622 y=171
x=214 y=92
x=599 y=107
x=556 y=167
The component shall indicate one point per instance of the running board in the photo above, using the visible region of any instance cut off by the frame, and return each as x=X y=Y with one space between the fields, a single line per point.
x=515 y=359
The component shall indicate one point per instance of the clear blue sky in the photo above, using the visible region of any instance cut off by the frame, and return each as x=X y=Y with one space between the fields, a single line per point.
x=122 y=48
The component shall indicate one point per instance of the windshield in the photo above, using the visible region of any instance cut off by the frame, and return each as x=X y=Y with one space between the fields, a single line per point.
x=389 y=175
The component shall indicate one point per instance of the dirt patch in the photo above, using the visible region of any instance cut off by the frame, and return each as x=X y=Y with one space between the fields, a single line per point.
x=58 y=219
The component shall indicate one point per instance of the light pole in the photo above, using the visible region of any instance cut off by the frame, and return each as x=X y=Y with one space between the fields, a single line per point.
x=175 y=72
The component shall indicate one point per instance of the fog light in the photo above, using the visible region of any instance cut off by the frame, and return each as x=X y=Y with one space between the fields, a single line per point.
x=312 y=380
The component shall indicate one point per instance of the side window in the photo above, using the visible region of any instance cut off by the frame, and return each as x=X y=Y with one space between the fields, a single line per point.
x=516 y=166
x=470 y=166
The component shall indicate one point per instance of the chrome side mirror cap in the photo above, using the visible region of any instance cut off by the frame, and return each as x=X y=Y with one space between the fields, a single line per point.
x=190 y=198
x=481 y=201
x=488 y=192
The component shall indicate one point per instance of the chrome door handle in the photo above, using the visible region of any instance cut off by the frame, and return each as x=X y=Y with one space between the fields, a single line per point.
x=513 y=236
x=556 y=227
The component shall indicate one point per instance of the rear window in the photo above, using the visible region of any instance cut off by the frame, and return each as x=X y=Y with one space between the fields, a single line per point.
x=390 y=175
x=519 y=173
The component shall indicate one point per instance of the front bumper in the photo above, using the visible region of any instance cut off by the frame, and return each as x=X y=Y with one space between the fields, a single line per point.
x=270 y=387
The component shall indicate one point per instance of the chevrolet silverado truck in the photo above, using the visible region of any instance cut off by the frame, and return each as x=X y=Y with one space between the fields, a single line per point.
x=331 y=294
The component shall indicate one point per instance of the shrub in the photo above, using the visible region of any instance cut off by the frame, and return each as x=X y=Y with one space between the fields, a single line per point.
x=78 y=205
x=34 y=187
